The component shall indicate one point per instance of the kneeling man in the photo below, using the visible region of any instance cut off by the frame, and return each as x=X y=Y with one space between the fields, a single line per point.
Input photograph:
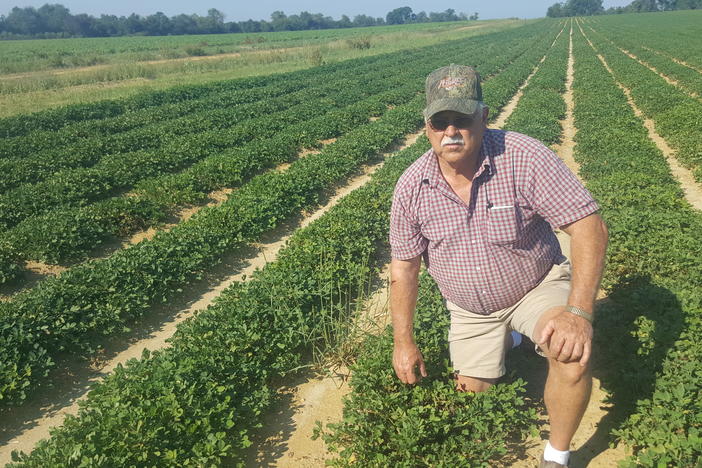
x=481 y=207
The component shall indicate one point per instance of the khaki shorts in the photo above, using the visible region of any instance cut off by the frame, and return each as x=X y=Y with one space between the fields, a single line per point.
x=478 y=343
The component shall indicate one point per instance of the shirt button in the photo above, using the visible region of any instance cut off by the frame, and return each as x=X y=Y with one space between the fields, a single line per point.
x=477 y=268
x=484 y=292
x=472 y=242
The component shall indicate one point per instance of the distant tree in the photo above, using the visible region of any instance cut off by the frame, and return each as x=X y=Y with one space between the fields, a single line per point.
x=555 y=11
x=25 y=21
x=400 y=15
x=157 y=24
x=344 y=22
x=422 y=17
x=688 y=4
x=53 y=17
x=474 y=16
x=363 y=21
x=575 y=8
x=638 y=6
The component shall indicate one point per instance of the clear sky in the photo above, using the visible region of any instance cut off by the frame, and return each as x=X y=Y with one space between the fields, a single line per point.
x=238 y=10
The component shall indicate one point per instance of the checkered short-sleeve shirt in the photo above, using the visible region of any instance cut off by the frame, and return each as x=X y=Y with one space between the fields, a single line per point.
x=487 y=255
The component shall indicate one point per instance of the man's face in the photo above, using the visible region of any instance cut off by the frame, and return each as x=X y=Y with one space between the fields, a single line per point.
x=456 y=137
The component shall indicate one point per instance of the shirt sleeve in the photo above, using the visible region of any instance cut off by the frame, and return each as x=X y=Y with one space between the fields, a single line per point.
x=556 y=193
x=406 y=240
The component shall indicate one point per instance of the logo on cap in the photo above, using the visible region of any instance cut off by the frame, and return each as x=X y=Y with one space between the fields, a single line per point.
x=451 y=83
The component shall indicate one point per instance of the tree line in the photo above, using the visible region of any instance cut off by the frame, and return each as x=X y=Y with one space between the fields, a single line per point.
x=594 y=7
x=56 y=21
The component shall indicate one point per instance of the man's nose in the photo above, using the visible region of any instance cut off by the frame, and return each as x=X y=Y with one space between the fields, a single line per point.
x=451 y=130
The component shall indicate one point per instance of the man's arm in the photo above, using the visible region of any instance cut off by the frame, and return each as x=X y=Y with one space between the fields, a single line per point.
x=404 y=275
x=570 y=335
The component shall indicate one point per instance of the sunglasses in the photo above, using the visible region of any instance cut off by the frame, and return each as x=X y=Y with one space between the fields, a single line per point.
x=440 y=124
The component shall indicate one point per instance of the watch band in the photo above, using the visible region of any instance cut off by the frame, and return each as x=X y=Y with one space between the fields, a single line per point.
x=580 y=313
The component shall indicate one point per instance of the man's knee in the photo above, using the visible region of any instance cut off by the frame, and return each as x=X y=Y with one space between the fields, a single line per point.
x=569 y=372
x=473 y=384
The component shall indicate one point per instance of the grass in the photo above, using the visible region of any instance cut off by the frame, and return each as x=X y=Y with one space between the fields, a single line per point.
x=111 y=77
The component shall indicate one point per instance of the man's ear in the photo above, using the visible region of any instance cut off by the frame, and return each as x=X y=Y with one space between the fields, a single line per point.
x=486 y=113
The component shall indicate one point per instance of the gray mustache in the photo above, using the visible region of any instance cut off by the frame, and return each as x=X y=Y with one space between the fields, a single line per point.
x=451 y=141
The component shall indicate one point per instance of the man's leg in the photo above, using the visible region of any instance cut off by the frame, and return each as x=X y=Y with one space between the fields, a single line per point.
x=567 y=391
x=473 y=384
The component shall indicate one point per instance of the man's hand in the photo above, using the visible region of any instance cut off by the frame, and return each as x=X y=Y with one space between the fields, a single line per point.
x=405 y=357
x=568 y=337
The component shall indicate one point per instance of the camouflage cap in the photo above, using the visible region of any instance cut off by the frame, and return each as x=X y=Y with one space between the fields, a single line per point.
x=454 y=88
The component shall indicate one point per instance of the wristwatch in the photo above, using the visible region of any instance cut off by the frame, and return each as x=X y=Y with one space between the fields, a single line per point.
x=580 y=313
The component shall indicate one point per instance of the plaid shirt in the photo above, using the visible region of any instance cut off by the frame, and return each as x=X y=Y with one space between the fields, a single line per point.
x=487 y=255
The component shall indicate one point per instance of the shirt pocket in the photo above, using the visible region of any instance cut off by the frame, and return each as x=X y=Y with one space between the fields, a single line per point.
x=502 y=224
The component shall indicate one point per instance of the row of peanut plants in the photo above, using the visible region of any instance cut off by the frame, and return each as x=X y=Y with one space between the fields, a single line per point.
x=83 y=114
x=196 y=402
x=688 y=79
x=119 y=171
x=71 y=311
x=676 y=115
x=163 y=136
x=156 y=107
x=71 y=232
x=674 y=34
x=647 y=333
x=387 y=423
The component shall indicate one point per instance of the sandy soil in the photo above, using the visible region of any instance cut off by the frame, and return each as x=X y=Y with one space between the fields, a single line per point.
x=25 y=426
x=692 y=190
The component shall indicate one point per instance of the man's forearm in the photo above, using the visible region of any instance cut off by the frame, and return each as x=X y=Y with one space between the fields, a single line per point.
x=588 y=249
x=403 y=299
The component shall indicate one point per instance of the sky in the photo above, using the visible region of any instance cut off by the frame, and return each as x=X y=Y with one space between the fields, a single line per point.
x=237 y=10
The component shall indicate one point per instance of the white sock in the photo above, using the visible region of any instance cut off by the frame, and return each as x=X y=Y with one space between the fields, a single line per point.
x=516 y=339
x=558 y=456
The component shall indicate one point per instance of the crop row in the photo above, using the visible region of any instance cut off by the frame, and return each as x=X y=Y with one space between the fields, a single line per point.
x=72 y=232
x=675 y=33
x=195 y=403
x=687 y=78
x=68 y=233
x=387 y=423
x=131 y=108
x=213 y=123
x=675 y=114
x=80 y=186
x=68 y=313
x=221 y=112
x=541 y=107
x=103 y=135
x=208 y=125
x=56 y=119
x=647 y=333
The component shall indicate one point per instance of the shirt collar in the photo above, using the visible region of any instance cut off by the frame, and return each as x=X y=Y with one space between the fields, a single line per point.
x=432 y=174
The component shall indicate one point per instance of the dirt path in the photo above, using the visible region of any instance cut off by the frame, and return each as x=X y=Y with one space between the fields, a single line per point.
x=674 y=59
x=692 y=190
x=24 y=427
x=668 y=79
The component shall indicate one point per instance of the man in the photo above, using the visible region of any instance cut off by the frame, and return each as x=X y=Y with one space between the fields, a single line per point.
x=480 y=208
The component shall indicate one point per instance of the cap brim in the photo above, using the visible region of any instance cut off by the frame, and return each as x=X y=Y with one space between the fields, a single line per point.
x=464 y=106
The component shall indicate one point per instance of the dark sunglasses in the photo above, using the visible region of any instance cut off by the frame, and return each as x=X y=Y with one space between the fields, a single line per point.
x=441 y=124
